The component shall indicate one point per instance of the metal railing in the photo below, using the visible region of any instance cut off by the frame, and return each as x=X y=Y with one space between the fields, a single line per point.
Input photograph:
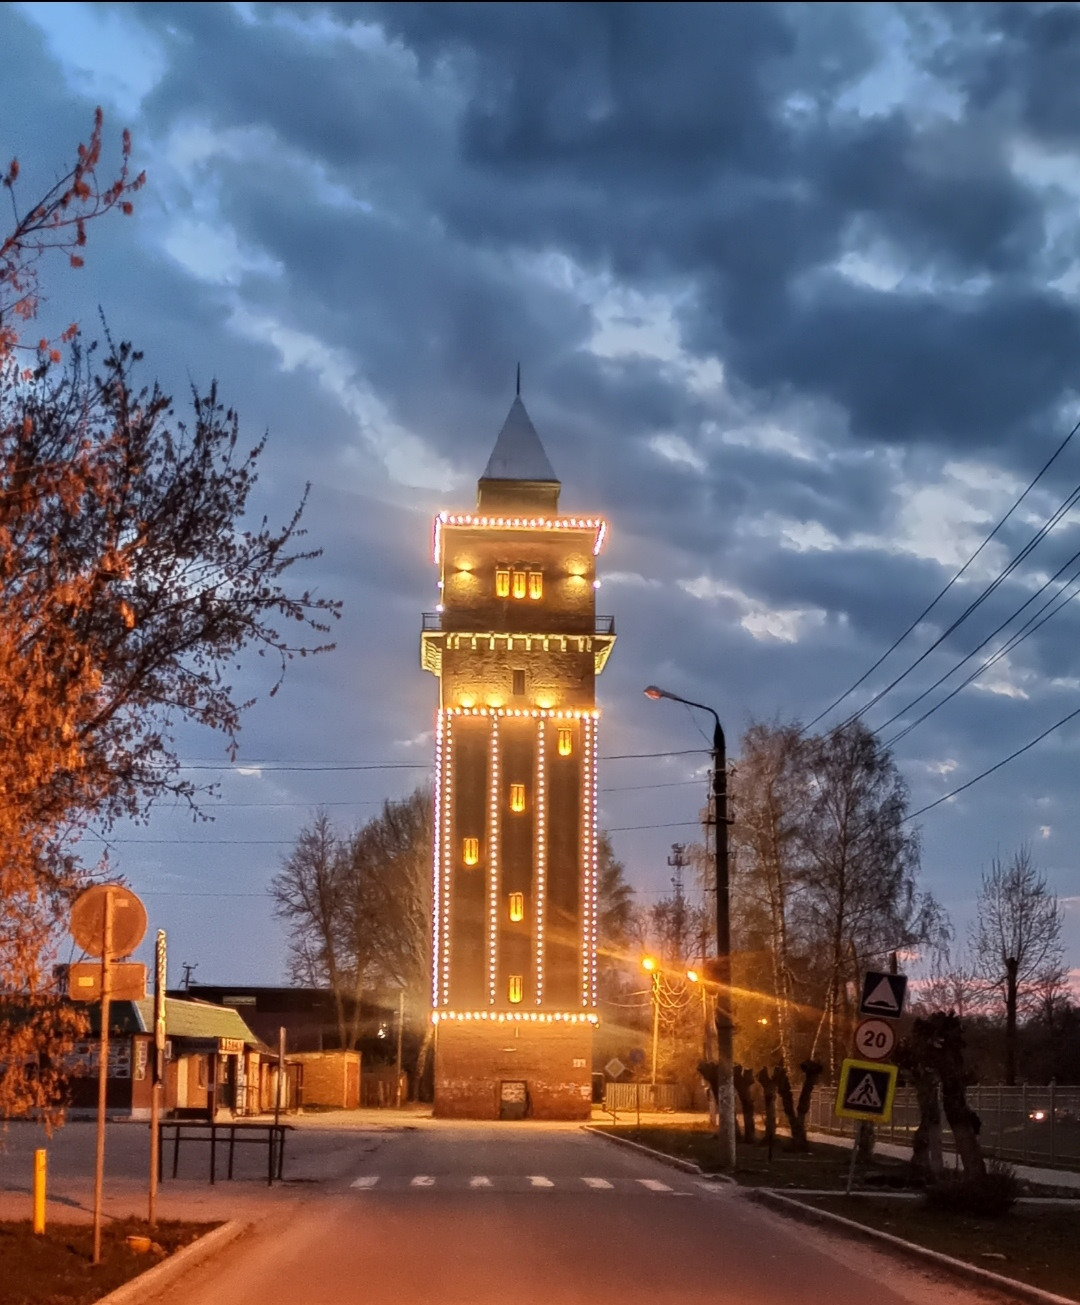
x=626 y=1097
x=602 y=625
x=1026 y=1125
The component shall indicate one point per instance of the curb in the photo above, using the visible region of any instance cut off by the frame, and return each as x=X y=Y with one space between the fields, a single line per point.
x=688 y=1166
x=161 y=1275
x=958 y=1268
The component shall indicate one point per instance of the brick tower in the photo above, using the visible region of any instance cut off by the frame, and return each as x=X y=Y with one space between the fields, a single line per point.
x=516 y=645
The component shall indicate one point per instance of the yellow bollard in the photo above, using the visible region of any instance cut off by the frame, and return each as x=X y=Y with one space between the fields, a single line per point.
x=40 y=1166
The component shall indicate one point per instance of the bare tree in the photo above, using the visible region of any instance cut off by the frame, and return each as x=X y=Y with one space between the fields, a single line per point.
x=858 y=897
x=309 y=895
x=1016 y=939
x=770 y=797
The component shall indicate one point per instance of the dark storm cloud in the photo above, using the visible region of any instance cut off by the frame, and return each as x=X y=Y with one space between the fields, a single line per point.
x=434 y=203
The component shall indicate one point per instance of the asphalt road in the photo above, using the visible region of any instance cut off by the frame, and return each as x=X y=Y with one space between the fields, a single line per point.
x=526 y=1215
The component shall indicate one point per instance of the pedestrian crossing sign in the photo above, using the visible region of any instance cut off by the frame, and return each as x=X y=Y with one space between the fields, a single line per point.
x=866 y=1090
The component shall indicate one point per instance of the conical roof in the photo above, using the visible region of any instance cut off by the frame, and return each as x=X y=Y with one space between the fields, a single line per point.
x=518 y=453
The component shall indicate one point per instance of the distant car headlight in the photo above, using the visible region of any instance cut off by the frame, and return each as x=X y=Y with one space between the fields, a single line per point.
x=1037 y=1115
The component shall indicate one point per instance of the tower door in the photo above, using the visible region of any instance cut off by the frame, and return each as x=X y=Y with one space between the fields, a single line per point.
x=513 y=1099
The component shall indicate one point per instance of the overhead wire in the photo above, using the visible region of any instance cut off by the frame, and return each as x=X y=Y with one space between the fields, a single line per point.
x=1028 y=628
x=1069 y=502
x=957 y=576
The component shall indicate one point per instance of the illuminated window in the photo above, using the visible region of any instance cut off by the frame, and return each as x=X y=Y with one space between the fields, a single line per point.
x=519 y=683
x=519 y=585
x=471 y=851
x=517 y=908
x=502 y=582
x=516 y=986
x=536 y=584
x=566 y=741
x=517 y=797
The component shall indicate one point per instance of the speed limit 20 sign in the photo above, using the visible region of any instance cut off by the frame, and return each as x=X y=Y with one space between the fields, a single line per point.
x=875 y=1039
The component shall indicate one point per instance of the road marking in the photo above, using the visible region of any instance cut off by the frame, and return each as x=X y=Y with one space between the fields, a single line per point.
x=366 y=1182
x=654 y=1185
x=479 y=1182
x=423 y=1180
x=598 y=1184
x=538 y=1181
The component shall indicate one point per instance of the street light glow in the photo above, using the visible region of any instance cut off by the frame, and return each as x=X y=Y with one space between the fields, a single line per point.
x=648 y=963
x=693 y=975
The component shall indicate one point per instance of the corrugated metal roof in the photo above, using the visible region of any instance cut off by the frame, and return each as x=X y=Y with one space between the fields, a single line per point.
x=518 y=453
x=196 y=1019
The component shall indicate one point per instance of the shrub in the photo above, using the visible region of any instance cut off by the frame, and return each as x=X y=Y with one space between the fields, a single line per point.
x=990 y=1195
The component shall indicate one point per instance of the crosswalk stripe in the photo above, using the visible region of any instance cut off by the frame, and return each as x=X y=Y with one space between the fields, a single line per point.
x=479 y=1182
x=597 y=1184
x=654 y=1185
x=423 y=1180
x=538 y=1181
x=366 y=1181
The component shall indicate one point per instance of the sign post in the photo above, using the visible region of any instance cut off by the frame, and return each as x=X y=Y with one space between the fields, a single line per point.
x=107 y=920
x=158 y=1072
x=867 y=1085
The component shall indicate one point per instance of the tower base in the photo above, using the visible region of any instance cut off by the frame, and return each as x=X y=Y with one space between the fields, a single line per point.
x=486 y=1070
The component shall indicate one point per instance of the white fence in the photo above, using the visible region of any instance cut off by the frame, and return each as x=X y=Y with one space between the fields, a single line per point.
x=1035 y=1125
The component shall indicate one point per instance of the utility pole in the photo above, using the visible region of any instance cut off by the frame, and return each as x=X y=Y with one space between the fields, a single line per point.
x=721 y=969
x=400 y=1024
x=677 y=860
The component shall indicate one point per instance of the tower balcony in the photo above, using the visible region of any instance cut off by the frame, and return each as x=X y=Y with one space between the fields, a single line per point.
x=595 y=635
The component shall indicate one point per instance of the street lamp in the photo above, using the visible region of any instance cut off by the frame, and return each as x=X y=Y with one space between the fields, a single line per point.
x=725 y=1094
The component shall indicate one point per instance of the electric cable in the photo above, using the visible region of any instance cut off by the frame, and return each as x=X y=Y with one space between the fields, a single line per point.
x=991 y=769
x=934 y=602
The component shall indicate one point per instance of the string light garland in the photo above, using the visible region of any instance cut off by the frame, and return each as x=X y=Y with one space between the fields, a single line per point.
x=597 y=524
x=493 y=864
x=514 y=1016
x=540 y=888
x=436 y=869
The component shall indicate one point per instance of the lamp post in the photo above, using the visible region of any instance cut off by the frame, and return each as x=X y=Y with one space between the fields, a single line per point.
x=725 y=1095
x=650 y=967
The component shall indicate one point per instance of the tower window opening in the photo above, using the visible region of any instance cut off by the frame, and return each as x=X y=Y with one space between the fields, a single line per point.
x=502 y=582
x=536 y=584
x=470 y=851
x=517 y=907
x=566 y=741
x=519 y=584
x=517 y=797
x=516 y=986
x=519 y=683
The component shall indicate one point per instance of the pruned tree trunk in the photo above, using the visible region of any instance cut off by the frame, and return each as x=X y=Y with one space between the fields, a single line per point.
x=1011 y=992
x=937 y=1044
x=811 y=1072
x=768 y=1088
x=927 y=1158
x=787 y=1101
x=744 y=1089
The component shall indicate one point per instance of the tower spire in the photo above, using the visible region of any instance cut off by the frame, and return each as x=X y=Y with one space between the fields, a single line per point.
x=518 y=388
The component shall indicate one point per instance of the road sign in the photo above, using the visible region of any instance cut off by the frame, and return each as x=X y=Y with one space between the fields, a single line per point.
x=866 y=1091
x=127 y=981
x=883 y=994
x=875 y=1039
x=615 y=1067
x=88 y=920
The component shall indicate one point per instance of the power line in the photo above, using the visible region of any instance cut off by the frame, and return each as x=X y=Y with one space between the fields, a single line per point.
x=1011 y=757
x=273 y=767
x=934 y=602
x=1028 y=548
x=1029 y=627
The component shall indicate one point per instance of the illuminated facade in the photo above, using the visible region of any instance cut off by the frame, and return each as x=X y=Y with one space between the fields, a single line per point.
x=516 y=645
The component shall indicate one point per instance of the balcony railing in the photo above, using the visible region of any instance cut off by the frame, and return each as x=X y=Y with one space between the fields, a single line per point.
x=603 y=625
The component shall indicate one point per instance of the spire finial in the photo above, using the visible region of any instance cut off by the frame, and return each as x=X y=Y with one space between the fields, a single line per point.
x=519 y=380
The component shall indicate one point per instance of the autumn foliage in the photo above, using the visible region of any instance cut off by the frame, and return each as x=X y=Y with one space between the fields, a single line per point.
x=130 y=584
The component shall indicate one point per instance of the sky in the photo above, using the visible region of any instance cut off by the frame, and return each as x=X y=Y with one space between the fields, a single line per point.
x=795 y=291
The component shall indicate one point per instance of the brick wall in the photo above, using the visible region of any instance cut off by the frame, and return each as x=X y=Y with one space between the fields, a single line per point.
x=331 y=1078
x=472 y=1058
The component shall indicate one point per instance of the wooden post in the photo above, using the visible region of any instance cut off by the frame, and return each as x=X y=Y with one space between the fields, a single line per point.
x=103 y=1072
x=401 y=1022
x=40 y=1170
x=280 y=1076
x=158 y=1073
